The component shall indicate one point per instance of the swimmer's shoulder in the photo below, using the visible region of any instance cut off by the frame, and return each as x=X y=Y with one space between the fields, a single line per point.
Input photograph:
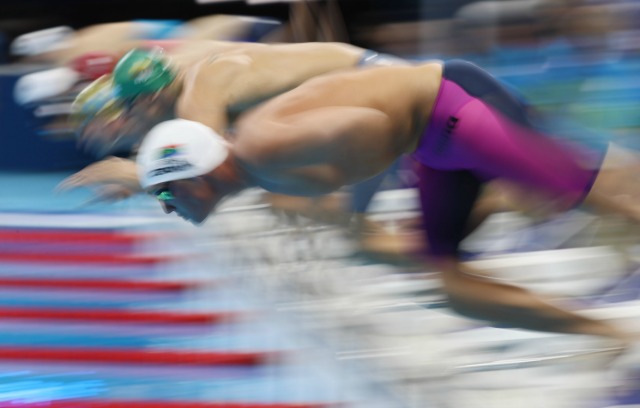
x=223 y=78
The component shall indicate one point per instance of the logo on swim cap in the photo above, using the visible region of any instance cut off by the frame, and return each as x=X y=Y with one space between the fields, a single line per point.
x=179 y=149
x=167 y=166
x=142 y=71
x=169 y=151
x=167 y=162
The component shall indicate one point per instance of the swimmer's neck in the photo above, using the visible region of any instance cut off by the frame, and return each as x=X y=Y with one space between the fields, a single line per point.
x=232 y=176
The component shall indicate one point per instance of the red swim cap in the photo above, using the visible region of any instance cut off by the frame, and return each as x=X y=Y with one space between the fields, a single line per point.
x=93 y=65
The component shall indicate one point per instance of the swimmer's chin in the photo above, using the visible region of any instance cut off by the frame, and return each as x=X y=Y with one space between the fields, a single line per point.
x=199 y=222
x=195 y=222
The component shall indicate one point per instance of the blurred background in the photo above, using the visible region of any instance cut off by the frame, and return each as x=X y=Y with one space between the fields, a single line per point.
x=268 y=305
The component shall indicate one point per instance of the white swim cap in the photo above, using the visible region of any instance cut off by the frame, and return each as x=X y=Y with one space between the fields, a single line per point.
x=179 y=149
x=44 y=84
x=41 y=41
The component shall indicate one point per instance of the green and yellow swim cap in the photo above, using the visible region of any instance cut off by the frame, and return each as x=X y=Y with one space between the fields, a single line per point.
x=142 y=71
x=99 y=99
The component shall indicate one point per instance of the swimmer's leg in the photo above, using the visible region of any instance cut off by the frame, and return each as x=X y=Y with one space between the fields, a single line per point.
x=447 y=199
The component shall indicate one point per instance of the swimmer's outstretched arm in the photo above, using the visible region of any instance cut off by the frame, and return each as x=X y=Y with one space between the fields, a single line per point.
x=112 y=179
x=477 y=297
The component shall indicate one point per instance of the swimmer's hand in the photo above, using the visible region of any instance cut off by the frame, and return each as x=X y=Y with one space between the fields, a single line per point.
x=111 y=179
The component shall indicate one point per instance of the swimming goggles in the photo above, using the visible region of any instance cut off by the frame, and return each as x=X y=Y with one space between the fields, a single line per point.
x=164 y=195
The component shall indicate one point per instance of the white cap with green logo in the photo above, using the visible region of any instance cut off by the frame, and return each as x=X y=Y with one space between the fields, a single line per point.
x=179 y=149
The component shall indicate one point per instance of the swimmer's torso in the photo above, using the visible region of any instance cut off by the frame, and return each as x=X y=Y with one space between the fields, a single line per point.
x=404 y=95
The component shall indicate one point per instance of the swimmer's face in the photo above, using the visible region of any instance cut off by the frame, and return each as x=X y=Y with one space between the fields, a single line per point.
x=151 y=107
x=192 y=199
x=102 y=137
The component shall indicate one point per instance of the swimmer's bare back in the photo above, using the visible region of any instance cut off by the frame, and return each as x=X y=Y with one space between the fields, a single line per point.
x=372 y=115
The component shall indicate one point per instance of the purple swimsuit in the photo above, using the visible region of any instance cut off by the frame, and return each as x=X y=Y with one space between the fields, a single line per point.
x=479 y=130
